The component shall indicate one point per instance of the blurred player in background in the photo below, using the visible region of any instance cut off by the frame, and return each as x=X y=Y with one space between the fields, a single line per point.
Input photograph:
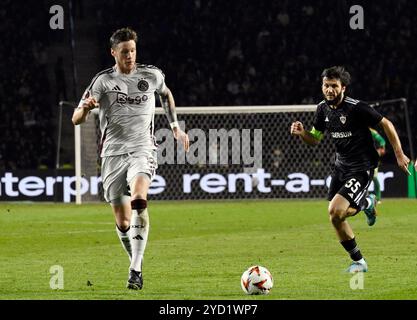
x=379 y=144
x=125 y=96
x=348 y=121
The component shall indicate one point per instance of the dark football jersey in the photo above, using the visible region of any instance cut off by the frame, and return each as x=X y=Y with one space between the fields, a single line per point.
x=349 y=125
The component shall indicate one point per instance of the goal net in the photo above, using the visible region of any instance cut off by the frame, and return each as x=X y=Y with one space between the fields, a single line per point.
x=235 y=153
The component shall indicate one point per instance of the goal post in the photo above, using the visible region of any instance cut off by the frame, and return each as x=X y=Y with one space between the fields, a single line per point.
x=236 y=152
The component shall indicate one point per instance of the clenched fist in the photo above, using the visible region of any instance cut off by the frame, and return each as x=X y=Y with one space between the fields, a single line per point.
x=90 y=103
x=297 y=128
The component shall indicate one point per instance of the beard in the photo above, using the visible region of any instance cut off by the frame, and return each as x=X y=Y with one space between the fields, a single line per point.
x=335 y=101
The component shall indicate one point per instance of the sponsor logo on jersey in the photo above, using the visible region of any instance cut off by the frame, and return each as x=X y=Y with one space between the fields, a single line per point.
x=338 y=135
x=123 y=98
x=343 y=119
x=143 y=85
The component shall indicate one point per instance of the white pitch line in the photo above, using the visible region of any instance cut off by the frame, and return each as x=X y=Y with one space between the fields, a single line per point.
x=70 y=232
x=74 y=222
x=81 y=231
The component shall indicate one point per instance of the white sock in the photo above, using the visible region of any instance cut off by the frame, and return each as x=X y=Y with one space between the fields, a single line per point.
x=124 y=238
x=139 y=229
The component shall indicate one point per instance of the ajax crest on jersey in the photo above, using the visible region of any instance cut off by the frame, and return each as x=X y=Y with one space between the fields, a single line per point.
x=143 y=85
x=256 y=280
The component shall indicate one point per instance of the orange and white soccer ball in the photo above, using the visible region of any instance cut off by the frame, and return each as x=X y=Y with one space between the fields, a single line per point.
x=257 y=280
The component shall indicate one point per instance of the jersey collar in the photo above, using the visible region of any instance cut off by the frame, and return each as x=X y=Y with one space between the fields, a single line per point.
x=340 y=106
x=116 y=69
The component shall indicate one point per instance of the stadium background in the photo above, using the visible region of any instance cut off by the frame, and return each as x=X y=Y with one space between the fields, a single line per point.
x=213 y=53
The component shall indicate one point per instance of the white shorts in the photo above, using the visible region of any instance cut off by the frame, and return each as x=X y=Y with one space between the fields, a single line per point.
x=117 y=172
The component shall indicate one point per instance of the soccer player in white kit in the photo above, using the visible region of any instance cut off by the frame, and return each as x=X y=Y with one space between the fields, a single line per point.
x=125 y=97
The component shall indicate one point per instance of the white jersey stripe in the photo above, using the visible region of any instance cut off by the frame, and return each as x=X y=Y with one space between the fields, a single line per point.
x=351 y=101
x=360 y=195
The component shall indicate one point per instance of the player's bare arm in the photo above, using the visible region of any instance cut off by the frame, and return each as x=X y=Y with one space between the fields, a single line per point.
x=297 y=129
x=80 y=114
x=168 y=104
x=389 y=129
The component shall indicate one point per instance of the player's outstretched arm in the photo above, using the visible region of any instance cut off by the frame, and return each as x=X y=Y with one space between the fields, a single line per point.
x=80 y=114
x=389 y=129
x=168 y=104
x=297 y=129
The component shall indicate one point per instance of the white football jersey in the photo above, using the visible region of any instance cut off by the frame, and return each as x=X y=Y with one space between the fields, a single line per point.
x=127 y=107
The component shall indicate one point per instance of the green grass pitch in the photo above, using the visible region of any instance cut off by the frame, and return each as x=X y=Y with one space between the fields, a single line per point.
x=198 y=250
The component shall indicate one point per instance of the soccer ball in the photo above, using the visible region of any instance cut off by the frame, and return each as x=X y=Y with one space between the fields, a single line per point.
x=256 y=280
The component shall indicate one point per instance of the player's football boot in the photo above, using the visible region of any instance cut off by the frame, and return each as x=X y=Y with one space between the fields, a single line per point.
x=135 y=281
x=356 y=266
x=371 y=211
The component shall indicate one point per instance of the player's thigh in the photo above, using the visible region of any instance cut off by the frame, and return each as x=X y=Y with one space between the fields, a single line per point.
x=356 y=187
x=113 y=174
x=336 y=183
x=142 y=168
x=339 y=206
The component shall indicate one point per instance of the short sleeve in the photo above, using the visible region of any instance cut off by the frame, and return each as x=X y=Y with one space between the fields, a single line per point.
x=369 y=115
x=318 y=121
x=160 y=81
x=93 y=90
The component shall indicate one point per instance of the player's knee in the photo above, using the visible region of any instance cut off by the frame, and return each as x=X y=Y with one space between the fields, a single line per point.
x=118 y=203
x=334 y=219
x=336 y=214
x=139 y=205
x=123 y=225
x=138 y=195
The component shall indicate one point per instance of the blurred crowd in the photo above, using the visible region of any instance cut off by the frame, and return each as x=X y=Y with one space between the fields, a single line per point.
x=268 y=52
x=27 y=126
x=221 y=53
x=272 y=52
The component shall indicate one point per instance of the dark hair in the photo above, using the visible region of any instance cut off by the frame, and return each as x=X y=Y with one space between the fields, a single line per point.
x=121 y=35
x=337 y=72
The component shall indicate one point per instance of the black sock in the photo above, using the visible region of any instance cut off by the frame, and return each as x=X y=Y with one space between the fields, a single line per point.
x=352 y=248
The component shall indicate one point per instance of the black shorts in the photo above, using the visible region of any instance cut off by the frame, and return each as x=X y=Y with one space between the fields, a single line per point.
x=352 y=186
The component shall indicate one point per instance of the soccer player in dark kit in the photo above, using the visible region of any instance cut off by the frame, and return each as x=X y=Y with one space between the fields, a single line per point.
x=348 y=120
